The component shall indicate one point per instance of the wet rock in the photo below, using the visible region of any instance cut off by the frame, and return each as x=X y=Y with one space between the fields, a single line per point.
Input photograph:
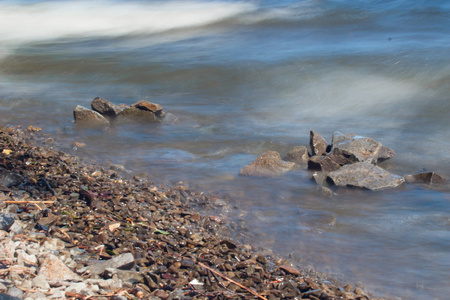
x=317 y=143
x=364 y=175
x=89 y=118
x=147 y=105
x=9 y=179
x=298 y=155
x=6 y=221
x=124 y=261
x=427 y=178
x=268 y=164
x=324 y=192
x=324 y=163
x=359 y=149
x=105 y=108
x=54 y=269
x=133 y=114
x=320 y=178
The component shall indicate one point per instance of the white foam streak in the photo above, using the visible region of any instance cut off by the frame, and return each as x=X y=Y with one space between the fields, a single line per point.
x=78 y=19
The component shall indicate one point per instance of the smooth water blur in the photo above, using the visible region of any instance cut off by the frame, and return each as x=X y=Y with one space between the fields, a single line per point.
x=238 y=78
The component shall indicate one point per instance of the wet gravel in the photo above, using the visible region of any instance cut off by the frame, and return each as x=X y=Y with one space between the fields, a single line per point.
x=72 y=230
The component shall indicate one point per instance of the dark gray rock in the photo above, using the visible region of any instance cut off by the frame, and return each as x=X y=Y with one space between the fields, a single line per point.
x=6 y=221
x=124 y=261
x=324 y=163
x=105 y=108
x=427 y=178
x=136 y=115
x=298 y=155
x=124 y=275
x=9 y=179
x=268 y=164
x=317 y=143
x=88 y=118
x=360 y=149
x=364 y=175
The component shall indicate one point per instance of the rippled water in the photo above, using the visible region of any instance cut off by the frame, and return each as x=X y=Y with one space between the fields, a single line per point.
x=244 y=77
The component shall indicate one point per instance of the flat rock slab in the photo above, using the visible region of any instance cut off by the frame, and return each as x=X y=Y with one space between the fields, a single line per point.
x=365 y=175
x=124 y=262
x=266 y=165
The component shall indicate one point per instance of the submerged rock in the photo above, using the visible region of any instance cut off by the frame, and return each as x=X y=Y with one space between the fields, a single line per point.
x=298 y=155
x=317 y=143
x=268 y=164
x=351 y=149
x=364 y=175
x=105 y=108
x=427 y=178
x=89 y=118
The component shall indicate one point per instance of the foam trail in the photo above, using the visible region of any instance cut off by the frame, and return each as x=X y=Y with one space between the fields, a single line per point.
x=22 y=23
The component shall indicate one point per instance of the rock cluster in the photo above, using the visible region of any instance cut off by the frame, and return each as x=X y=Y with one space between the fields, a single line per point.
x=69 y=230
x=104 y=113
x=349 y=161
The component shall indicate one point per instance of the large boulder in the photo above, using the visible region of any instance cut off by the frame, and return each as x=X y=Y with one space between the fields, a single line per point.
x=318 y=144
x=105 y=108
x=364 y=175
x=89 y=118
x=351 y=149
x=268 y=164
x=298 y=155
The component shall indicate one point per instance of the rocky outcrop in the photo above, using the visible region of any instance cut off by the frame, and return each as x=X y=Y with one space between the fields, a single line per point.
x=104 y=113
x=89 y=118
x=364 y=175
x=268 y=164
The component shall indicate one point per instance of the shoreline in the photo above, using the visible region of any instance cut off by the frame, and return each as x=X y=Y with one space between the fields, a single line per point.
x=174 y=244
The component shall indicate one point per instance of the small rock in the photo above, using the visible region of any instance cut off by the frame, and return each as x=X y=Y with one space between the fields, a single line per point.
x=54 y=270
x=89 y=118
x=290 y=270
x=427 y=178
x=124 y=275
x=40 y=282
x=317 y=143
x=324 y=192
x=298 y=155
x=133 y=114
x=268 y=164
x=14 y=292
x=323 y=163
x=9 y=179
x=124 y=261
x=360 y=149
x=320 y=178
x=105 y=108
x=79 y=288
x=365 y=175
x=6 y=221
x=147 y=105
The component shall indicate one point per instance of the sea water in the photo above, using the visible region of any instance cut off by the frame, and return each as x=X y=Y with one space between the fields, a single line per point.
x=238 y=78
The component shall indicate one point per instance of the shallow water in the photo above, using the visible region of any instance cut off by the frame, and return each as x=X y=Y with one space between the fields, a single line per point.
x=238 y=78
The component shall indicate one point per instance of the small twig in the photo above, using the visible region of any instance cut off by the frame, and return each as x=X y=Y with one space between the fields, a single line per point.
x=231 y=280
x=21 y=202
